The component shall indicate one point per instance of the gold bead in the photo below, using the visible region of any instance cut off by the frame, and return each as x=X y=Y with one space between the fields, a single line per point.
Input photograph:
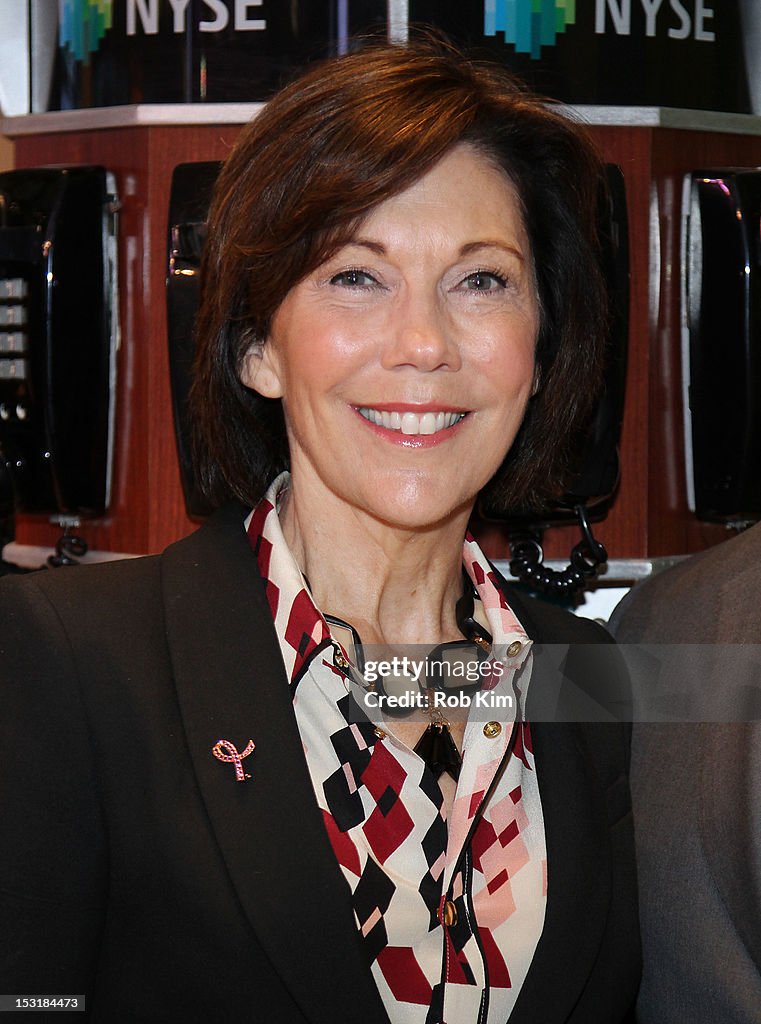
x=492 y=730
x=379 y=733
x=449 y=914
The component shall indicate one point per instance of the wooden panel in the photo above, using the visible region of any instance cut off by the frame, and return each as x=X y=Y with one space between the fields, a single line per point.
x=649 y=516
x=673 y=528
x=624 y=532
x=169 y=147
x=147 y=511
x=126 y=154
x=6 y=153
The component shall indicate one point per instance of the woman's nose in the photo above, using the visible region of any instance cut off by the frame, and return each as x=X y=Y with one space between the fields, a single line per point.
x=422 y=337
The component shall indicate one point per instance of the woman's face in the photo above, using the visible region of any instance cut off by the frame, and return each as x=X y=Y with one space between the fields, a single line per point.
x=406 y=360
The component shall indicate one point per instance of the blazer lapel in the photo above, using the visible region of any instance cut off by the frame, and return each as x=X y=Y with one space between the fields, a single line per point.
x=578 y=876
x=231 y=685
x=576 y=835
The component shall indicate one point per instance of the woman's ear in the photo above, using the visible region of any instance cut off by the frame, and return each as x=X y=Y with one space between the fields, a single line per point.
x=536 y=386
x=259 y=370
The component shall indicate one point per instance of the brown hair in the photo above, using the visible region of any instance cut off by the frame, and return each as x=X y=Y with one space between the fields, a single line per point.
x=349 y=134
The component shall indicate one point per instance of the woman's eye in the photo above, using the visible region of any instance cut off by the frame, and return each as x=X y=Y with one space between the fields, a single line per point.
x=353 y=279
x=484 y=281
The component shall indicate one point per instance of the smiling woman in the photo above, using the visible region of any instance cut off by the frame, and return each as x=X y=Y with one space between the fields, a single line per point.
x=264 y=811
x=310 y=169
x=427 y=316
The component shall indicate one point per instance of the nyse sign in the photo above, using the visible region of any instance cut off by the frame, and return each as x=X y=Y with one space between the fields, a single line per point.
x=673 y=17
x=143 y=15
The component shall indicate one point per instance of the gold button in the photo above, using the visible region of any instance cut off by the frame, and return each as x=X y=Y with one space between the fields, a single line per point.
x=515 y=648
x=340 y=660
x=492 y=729
x=449 y=914
x=380 y=734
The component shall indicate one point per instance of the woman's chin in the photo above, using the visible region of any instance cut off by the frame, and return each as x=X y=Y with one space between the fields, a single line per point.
x=392 y=496
x=426 y=509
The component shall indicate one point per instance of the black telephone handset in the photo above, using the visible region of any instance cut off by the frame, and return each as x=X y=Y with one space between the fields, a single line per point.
x=192 y=186
x=58 y=337
x=596 y=465
x=721 y=343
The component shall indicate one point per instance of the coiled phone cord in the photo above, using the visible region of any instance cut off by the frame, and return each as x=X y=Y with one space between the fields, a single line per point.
x=527 y=558
x=67 y=550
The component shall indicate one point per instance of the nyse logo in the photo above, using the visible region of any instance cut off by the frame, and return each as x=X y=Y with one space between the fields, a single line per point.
x=528 y=25
x=678 y=19
x=82 y=26
x=144 y=15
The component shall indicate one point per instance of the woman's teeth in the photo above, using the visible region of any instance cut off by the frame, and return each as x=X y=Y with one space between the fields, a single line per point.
x=412 y=422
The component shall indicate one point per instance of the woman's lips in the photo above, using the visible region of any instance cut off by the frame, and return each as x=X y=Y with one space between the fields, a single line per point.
x=424 y=427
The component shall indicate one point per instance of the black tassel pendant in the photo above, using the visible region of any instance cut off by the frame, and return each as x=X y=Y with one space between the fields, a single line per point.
x=439 y=750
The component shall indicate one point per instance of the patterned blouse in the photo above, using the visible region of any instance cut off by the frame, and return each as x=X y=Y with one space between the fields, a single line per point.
x=451 y=911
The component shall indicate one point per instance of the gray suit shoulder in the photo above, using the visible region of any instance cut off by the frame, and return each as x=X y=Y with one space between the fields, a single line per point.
x=712 y=596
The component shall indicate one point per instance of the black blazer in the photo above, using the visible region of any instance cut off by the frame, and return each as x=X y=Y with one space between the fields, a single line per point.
x=135 y=869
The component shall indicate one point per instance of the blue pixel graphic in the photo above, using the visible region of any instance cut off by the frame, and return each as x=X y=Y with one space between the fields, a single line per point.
x=528 y=25
x=82 y=25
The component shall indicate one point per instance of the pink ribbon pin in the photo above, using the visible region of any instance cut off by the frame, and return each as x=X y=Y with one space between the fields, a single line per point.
x=232 y=756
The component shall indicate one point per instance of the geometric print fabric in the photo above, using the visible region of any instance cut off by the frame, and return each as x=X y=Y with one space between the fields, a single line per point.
x=385 y=818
